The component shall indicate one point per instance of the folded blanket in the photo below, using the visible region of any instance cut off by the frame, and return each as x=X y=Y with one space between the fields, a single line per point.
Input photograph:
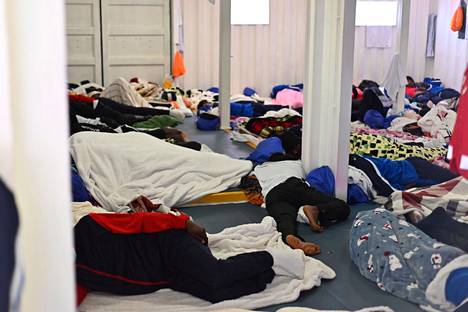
x=229 y=242
x=116 y=168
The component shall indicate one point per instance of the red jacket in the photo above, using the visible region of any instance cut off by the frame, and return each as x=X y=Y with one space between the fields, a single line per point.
x=458 y=148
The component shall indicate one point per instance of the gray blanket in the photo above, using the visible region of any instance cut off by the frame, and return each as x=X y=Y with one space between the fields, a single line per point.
x=396 y=255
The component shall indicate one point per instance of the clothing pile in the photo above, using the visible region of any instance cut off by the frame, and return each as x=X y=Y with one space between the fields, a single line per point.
x=274 y=123
x=107 y=116
x=415 y=245
x=430 y=111
x=138 y=93
x=422 y=130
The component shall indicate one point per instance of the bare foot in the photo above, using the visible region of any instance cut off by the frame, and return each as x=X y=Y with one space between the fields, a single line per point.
x=310 y=249
x=312 y=213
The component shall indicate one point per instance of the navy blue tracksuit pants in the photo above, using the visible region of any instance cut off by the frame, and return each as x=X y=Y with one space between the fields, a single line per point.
x=9 y=222
x=131 y=264
x=284 y=201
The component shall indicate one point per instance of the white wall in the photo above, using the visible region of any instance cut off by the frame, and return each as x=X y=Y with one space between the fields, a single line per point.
x=451 y=53
x=263 y=56
x=373 y=63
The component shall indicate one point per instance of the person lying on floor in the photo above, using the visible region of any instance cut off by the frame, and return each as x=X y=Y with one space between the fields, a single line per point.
x=141 y=252
x=285 y=192
x=403 y=260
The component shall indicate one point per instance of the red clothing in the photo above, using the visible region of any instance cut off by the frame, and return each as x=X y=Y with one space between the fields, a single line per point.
x=178 y=67
x=80 y=98
x=141 y=222
x=81 y=293
x=358 y=95
x=411 y=91
x=458 y=149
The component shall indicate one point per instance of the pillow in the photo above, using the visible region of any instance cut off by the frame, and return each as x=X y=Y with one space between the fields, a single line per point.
x=79 y=191
x=374 y=119
x=323 y=180
x=208 y=122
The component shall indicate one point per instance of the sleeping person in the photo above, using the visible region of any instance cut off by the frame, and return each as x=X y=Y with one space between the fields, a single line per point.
x=141 y=252
x=404 y=261
x=285 y=191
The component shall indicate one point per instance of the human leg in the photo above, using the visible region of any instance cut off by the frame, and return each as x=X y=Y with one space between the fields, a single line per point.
x=312 y=213
x=331 y=209
x=127 y=109
x=285 y=215
x=280 y=205
x=193 y=269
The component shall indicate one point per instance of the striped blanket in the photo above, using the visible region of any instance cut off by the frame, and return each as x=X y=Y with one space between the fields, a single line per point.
x=451 y=195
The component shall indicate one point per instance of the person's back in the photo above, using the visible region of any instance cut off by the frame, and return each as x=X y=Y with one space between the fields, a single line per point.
x=271 y=174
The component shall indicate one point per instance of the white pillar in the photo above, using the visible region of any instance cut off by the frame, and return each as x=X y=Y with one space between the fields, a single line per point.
x=328 y=87
x=6 y=128
x=225 y=63
x=41 y=163
x=405 y=8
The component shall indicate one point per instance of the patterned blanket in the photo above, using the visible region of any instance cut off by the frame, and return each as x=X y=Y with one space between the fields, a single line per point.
x=399 y=136
x=397 y=256
x=451 y=195
x=266 y=127
x=383 y=147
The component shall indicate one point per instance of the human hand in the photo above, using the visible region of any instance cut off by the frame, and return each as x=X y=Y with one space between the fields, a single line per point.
x=143 y=204
x=197 y=231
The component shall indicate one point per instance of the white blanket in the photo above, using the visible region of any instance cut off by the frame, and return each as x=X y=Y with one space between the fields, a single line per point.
x=117 y=168
x=373 y=309
x=231 y=241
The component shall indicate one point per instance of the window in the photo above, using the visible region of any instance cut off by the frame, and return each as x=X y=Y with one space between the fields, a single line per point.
x=250 y=12
x=376 y=13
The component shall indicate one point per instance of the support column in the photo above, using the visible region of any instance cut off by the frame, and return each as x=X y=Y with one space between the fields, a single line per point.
x=41 y=163
x=327 y=87
x=6 y=128
x=225 y=63
x=405 y=8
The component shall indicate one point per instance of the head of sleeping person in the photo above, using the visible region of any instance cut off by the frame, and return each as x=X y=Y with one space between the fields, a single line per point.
x=292 y=144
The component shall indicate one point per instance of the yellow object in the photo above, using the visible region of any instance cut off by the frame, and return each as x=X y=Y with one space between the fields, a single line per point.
x=168 y=83
x=220 y=198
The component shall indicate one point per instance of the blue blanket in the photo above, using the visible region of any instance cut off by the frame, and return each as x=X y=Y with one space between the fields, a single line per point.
x=396 y=255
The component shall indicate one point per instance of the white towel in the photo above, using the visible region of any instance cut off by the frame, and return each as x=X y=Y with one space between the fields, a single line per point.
x=379 y=36
x=395 y=78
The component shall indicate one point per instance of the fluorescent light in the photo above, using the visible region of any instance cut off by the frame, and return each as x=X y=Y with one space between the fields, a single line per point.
x=376 y=13
x=250 y=12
